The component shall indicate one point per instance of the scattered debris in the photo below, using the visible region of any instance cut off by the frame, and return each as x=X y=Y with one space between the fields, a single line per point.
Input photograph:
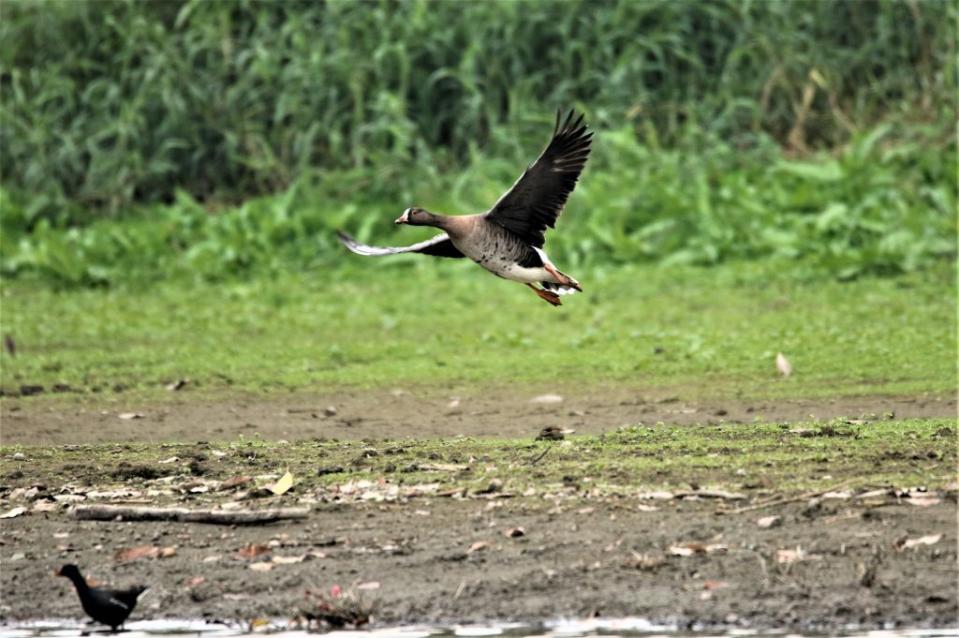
x=337 y=610
x=478 y=546
x=493 y=487
x=282 y=486
x=514 y=532
x=235 y=481
x=261 y=566
x=252 y=551
x=690 y=549
x=144 y=551
x=782 y=364
x=644 y=562
x=789 y=556
x=924 y=500
x=177 y=385
x=719 y=494
x=16 y=511
x=910 y=543
x=127 y=416
x=769 y=521
x=442 y=467
x=547 y=399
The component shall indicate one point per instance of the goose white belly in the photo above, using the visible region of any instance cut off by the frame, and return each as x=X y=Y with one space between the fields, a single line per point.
x=502 y=266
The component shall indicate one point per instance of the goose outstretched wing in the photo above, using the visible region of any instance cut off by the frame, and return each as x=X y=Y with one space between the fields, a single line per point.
x=538 y=196
x=439 y=246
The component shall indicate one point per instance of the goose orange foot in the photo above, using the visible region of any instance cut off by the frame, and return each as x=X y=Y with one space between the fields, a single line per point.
x=548 y=296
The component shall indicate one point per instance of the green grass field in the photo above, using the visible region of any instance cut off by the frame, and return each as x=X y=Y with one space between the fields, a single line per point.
x=372 y=323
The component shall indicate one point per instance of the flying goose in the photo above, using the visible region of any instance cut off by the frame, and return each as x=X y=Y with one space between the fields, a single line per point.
x=507 y=240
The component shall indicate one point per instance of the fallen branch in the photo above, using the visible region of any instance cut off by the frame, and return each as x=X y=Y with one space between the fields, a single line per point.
x=784 y=501
x=720 y=494
x=184 y=515
x=539 y=457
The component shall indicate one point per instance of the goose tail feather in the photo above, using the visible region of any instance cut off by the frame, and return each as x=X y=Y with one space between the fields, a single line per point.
x=559 y=289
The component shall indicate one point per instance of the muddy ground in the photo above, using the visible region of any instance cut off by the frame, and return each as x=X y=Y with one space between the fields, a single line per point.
x=400 y=413
x=827 y=565
x=871 y=558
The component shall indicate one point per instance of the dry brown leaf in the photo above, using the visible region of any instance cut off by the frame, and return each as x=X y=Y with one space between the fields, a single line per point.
x=924 y=500
x=282 y=486
x=144 y=551
x=478 y=546
x=789 y=556
x=909 y=543
x=252 y=551
x=782 y=364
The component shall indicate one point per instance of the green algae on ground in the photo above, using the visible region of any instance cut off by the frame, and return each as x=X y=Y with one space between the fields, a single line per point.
x=755 y=458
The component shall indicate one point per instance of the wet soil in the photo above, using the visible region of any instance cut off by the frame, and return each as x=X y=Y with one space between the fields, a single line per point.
x=401 y=413
x=827 y=564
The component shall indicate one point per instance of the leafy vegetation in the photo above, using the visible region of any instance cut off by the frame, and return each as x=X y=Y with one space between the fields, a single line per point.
x=113 y=102
x=885 y=205
x=714 y=332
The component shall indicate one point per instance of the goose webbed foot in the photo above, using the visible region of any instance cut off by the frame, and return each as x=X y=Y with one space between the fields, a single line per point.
x=546 y=295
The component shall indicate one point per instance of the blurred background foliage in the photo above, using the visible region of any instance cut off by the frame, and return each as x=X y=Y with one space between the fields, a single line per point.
x=212 y=139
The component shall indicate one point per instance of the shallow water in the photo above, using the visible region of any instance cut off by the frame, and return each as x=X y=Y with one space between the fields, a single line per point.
x=627 y=627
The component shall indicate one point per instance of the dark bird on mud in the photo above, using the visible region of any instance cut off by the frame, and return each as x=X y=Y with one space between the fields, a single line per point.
x=553 y=433
x=108 y=606
x=507 y=240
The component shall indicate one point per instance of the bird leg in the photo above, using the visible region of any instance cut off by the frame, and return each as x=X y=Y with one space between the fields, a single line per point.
x=548 y=296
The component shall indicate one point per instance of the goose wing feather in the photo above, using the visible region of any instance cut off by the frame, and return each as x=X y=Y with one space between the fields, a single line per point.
x=439 y=246
x=536 y=199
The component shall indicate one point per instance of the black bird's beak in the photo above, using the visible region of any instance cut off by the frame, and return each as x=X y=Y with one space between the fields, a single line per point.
x=404 y=218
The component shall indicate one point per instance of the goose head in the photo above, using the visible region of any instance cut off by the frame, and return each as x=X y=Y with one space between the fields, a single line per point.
x=417 y=217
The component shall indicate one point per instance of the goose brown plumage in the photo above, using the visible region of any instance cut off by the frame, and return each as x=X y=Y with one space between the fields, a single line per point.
x=507 y=240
